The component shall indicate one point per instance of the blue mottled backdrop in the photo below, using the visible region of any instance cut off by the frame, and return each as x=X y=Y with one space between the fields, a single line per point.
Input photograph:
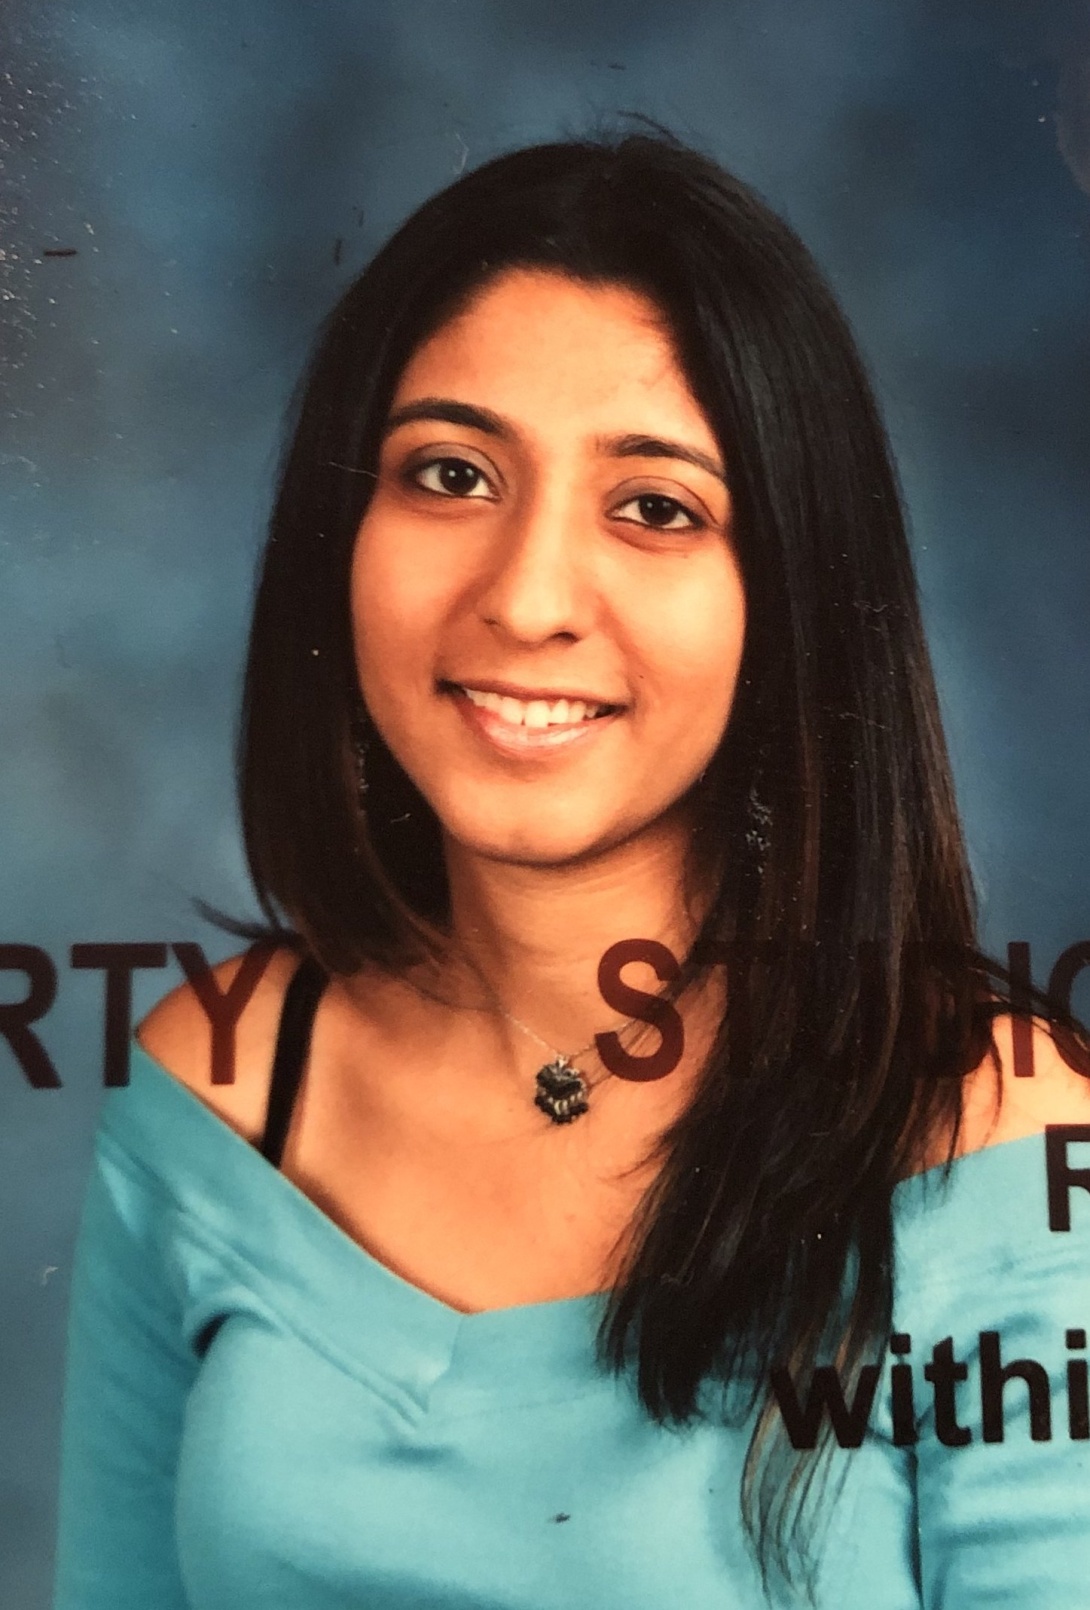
x=212 y=175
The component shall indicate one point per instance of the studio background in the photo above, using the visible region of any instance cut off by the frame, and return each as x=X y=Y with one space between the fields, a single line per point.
x=212 y=176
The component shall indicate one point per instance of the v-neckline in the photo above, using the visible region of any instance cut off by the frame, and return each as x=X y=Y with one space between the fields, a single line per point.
x=305 y=1204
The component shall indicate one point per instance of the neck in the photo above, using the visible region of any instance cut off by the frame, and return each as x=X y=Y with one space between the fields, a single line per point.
x=532 y=937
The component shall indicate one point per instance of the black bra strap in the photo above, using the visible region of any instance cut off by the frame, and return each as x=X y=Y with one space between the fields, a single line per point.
x=292 y=1043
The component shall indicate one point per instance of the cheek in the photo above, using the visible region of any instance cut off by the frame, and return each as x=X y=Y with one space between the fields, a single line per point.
x=394 y=613
x=385 y=631
x=693 y=642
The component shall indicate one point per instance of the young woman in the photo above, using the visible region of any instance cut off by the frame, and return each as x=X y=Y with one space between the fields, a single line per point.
x=565 y=1224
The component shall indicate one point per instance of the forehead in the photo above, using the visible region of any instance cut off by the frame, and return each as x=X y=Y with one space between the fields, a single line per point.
x=536 y=340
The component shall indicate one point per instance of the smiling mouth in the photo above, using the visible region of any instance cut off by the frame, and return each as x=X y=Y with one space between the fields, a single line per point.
x=534 y=715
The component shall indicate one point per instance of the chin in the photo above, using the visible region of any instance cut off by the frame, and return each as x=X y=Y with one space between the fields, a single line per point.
x=527 y=847
x=548 y=843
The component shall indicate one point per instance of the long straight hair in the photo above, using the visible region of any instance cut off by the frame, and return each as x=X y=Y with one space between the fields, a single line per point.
x=827 y=829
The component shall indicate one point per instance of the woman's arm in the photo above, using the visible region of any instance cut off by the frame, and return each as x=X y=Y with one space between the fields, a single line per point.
x=1003 y=1461
x=1005 y=1524
x=128 y=1375
x=130 y=1366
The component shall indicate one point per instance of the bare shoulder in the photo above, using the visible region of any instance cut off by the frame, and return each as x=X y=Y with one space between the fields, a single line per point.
x=177 y=1033
x=1001 y=1104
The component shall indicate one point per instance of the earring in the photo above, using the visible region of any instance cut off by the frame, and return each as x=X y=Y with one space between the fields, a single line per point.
x=359 y=752
x=759 y=816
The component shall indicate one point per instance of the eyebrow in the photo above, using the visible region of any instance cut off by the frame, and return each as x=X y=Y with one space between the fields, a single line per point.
x=658 y=447
x=449 y=412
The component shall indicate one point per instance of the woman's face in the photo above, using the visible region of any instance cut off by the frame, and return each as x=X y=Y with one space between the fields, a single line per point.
x=548 y=612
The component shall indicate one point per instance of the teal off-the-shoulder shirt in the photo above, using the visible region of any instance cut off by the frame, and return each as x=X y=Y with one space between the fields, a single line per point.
x=347 y=1442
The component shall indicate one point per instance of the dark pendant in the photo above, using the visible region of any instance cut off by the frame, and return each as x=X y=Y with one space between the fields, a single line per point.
x=561 y=1091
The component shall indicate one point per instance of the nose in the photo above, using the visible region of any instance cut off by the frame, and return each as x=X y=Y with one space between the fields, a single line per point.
x=538 y=588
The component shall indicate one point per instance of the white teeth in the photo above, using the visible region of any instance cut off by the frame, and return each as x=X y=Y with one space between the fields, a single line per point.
x=535 y=713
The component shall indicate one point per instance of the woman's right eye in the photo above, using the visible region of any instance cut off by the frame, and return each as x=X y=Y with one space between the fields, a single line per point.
x=452 y=477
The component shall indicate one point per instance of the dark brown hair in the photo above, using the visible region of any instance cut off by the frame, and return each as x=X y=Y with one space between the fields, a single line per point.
x=827 y=820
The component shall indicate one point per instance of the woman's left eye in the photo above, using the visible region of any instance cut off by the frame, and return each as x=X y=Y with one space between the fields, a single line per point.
x=452 y=477
x=658 y=511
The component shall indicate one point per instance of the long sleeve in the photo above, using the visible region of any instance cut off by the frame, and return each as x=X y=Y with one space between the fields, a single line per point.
x=128 y=1375
x=1000 y=1322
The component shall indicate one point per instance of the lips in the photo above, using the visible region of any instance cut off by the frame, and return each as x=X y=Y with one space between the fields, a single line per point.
x=536 y=712
x=534 y=718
